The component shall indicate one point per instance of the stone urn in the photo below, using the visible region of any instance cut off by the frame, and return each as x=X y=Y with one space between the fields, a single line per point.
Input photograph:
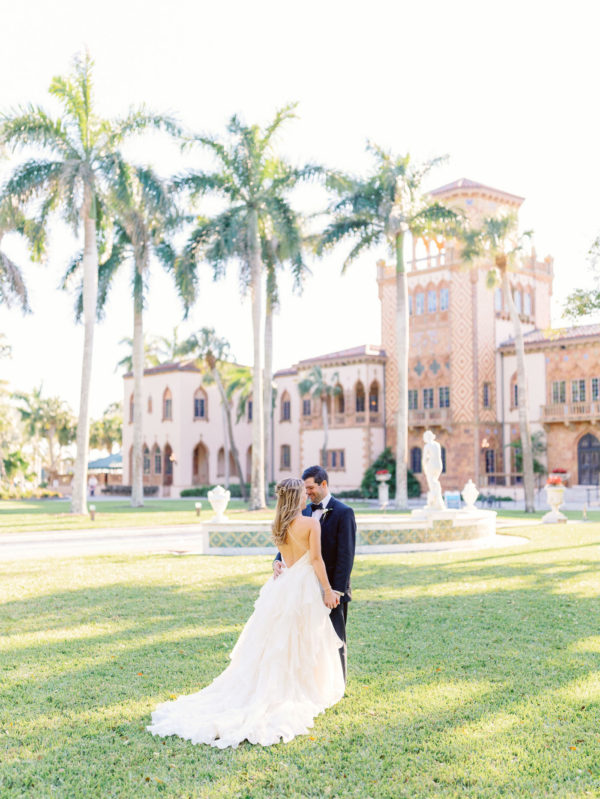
x=219 y=499
x=469 y=494
x=555 y=495
x=383 y=489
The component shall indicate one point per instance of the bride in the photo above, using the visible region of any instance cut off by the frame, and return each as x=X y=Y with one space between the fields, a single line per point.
x=285 y=667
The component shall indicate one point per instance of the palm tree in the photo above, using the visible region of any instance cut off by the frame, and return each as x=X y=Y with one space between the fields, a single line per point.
x=151 y=354
x=12 y=283
x=255 y=185
x=385 y=207
x=316 y=385
x=106 y=432
x=143 y=211
x=49 y=419
x=82 y=164
x=497 y=240
x=214 y=351
x=170 y=348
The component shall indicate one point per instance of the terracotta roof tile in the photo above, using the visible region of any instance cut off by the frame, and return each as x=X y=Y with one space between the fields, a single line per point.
x=551 y=335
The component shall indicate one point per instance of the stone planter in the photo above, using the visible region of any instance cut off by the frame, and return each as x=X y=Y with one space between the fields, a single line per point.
x=383 y=490
x=555 y=497
x=219 y=499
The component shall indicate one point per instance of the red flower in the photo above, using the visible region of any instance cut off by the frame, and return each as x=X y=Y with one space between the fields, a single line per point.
x=554 y=480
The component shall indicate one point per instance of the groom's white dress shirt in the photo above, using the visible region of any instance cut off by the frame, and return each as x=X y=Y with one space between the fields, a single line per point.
x=316 y=514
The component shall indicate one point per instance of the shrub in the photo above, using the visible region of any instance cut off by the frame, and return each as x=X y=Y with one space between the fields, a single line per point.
x=125 y=491
x=354 y=493
x=234 y=489
x=387 y=461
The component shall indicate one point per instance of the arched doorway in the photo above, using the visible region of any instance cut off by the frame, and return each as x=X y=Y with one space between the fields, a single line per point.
x=168 y=466
x=200 y=465
x=249 y=464
x=588 y=459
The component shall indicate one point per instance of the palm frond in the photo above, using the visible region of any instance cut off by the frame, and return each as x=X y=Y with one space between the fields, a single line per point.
x=12 y=284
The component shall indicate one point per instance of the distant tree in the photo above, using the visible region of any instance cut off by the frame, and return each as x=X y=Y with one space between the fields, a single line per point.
x=48 y=419
x=386 y=207
x=151 y=354
x=497 y=241
x=319 y=388
x=107 y=432
x=583 y=302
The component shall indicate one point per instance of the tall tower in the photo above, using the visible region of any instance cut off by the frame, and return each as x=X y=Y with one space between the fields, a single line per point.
x=456 y=324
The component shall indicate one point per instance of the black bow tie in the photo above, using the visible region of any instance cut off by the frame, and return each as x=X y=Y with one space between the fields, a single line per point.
x=315 y=507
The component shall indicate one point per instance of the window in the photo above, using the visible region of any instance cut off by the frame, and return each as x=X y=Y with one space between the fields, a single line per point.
x=595 y=388
x=249 y=410
x=415 y=460
x=498 y=300
x=515 y=395
x=413 y=399
x=410 y=308
x=339 y=403
x=444 y=394
x=157 y=461
x=428 y=398
x=306 y=407
x=374 y=398
x=131 y=408
x=559 y=391
x=527 y=303
x=487 y=395
x=443 y=459
x=286 y=456
x=518 y=300
x=199 y=408
x=578 y=390
x=360 y=398
x=444 y=299
x=167 y=404
x=420 y=303
x=168 y=461
x=286 y=408
x=490 y=461
x=146 y=460
x=336 y=459
x=431 y=301
x=149 y=404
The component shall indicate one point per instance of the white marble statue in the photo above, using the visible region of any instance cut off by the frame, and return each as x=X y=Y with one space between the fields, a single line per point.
x=432 y=467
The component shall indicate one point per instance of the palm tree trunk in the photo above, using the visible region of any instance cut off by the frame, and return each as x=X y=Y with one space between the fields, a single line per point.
x=90 y=299
x=325 y=418
x=236 y=458
x=137 y=477
x=522 y=406
x=257 y=488
x=268 y=391
x=402 y=361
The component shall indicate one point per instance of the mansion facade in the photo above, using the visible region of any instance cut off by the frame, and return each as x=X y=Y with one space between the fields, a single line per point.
x=462 y=384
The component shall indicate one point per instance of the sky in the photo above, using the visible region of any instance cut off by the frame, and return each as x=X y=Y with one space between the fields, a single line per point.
x=507 y=90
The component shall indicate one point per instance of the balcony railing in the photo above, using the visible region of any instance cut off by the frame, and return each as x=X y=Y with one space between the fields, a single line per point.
x=430 y=417
x=342 y=420
x=570 y=411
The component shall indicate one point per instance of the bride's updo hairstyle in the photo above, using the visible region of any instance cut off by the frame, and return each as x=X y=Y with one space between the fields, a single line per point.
x=289 y=494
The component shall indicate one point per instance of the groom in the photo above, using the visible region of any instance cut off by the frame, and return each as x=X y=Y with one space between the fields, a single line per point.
x=338 y=542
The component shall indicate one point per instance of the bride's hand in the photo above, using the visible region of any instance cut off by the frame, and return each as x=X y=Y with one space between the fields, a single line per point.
x=330 y=598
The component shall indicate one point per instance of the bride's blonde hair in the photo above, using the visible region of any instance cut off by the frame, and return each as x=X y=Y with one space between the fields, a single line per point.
x=289 y=494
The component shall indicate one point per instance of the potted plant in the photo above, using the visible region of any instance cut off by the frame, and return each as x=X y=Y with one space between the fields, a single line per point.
x=555 y=492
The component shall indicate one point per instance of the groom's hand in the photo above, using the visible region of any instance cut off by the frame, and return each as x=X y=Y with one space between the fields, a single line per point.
x=278 y=567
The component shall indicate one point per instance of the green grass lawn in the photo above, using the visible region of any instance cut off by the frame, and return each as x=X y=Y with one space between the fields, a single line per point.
x=22 y=516
x=471 y=674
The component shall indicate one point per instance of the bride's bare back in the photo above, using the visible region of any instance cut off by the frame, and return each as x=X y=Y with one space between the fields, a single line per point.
x=297 y=540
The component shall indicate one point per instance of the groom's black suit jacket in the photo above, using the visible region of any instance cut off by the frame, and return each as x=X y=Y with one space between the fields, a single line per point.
x=338 y=542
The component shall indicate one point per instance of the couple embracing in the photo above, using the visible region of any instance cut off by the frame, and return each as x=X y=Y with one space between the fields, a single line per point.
x=289 y=663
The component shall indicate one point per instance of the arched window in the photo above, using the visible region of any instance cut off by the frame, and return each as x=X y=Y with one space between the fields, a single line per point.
x=168 y=470
x=527 y=303
x=518 y=300
x=131 y=408
x=149 y=404
x=498 y=300
x=146 y=460
x=249 y=464
x=249 y=410
x=443 y=459
x=415 y=460
x=286 y=407
x=359 y=392
x=339 y=403
x=286 y=456
x=200 y=404
x=167 y=404
x=374 y=397
x=221 y=462
x=157 y=459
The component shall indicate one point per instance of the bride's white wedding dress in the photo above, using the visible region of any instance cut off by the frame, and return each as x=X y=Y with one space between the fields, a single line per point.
x=285 y=669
